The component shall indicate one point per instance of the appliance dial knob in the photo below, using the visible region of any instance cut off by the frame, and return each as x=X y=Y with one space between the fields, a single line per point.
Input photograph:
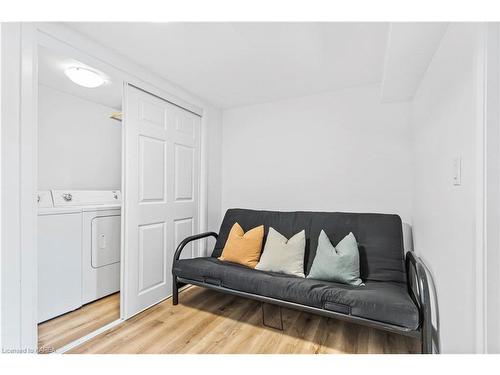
x=67 y=197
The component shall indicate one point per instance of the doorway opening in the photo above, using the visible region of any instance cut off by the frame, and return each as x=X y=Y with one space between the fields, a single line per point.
x=79 y=199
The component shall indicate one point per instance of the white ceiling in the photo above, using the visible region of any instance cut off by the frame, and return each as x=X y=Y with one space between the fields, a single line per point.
x=51 y=68
x=234 y=64
x=410 y=49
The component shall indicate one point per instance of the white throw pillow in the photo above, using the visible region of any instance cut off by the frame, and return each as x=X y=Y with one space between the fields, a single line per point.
x=283 y=255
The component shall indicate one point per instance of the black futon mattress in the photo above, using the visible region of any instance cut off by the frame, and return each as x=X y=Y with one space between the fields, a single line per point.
x=384 y=298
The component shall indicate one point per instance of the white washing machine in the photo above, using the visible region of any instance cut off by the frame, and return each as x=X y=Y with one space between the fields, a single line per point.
x=101 y=222
x=79 y=248
x=59 y=258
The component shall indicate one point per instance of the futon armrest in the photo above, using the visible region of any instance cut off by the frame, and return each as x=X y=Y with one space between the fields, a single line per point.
x=195 y=237
x=419 y=288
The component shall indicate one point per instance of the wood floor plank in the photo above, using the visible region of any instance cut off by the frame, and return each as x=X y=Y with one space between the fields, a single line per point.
x=206 y=321
x=55 y=333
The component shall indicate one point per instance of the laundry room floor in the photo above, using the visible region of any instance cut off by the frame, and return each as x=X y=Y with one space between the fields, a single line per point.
x=60 y=331
x=206 y=321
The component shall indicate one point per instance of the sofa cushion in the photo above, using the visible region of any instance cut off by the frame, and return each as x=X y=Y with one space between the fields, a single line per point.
x=336 y=263
x=387 y=302
x=243 y=248
x=379 y=236
x=283 y=255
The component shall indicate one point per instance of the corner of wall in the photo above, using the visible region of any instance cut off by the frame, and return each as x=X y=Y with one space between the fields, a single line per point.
x=214 y=169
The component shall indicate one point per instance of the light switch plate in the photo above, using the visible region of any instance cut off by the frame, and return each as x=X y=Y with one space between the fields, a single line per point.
x=457 y=170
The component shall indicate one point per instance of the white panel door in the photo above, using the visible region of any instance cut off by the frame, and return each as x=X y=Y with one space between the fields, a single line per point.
x=160 y=193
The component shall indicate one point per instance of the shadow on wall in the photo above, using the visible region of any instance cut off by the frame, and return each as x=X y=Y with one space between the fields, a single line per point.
x=408 y=246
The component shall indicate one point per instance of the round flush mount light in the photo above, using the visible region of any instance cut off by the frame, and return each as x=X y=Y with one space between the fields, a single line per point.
x=85 y=77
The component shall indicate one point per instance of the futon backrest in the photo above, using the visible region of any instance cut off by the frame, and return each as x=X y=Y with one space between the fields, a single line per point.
x=379 y=236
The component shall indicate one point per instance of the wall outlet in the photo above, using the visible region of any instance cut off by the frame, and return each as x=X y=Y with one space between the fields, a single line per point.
x=457 y=170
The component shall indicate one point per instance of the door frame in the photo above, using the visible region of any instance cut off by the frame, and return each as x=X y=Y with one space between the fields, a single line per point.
x=488 y=340
x=18 y=303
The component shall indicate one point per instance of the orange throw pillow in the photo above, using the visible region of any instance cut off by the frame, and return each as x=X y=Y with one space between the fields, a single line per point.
x=243 y=248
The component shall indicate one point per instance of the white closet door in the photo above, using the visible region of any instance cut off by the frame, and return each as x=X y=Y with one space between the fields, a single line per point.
x=160 y=193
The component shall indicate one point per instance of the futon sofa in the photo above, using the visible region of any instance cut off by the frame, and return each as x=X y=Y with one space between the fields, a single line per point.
x=395 y=296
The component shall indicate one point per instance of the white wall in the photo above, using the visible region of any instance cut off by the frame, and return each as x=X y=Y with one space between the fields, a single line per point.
x=336 y=151
x=79 y=146
x=444 y=125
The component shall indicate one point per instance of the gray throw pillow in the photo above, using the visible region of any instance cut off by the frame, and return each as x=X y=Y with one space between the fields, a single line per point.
x=283 y=255
x=336 y=263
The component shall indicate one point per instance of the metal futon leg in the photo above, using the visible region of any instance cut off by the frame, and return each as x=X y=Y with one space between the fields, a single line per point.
x=263 y=306
x=175 y=292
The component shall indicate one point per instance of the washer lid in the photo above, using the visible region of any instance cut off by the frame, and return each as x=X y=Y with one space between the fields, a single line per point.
x=65 y=198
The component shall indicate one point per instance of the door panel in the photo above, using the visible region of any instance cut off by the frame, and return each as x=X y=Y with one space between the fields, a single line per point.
x=184 y=165
x=152 y=254
x=152 y=169
x=184 y=228
x=161 y=194
x=186 y=124
x=150 y=112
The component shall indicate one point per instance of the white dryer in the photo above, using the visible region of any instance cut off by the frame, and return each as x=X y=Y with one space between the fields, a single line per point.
x=101 y=223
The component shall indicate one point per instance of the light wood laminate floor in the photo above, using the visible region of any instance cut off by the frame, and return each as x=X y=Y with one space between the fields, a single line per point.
x=206 y=321
x=60 y=331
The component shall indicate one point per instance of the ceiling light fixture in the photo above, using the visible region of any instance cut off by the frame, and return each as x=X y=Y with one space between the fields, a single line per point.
x=85 y=77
